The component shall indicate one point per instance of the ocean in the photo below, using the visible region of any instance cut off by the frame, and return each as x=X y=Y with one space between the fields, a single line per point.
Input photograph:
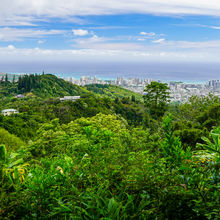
x=187 y=72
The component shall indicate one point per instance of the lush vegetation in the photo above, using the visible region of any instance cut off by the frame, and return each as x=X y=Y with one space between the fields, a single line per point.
x=108 y=158
x=48 y=86
x=113 y=91
x=156 y=99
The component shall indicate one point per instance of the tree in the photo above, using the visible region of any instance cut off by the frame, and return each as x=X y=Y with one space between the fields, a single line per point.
x=156 y=98
x=13 y=81
x=6 y=78
x=133 y=99
x=10 y=140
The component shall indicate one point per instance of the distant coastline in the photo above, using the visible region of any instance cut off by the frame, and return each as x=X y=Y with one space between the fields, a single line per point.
x=77 y=76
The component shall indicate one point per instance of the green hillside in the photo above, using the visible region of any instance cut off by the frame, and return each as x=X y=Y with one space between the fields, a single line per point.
x=112 y=91
x=44 y=86
x=7 y=89
x=105 y=158
x=48 y=86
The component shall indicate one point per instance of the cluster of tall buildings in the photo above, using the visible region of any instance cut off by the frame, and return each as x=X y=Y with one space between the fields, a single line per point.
x=179 y=91
x=135 y=84
x=86 y=80
x=214 y=84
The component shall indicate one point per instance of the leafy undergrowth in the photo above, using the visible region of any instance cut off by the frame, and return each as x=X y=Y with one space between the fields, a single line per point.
x=100 y=168
x=113 y=91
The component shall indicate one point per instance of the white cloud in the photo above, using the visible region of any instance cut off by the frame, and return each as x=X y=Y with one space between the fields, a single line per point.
x=125 y=47
x=15 y=20
x=195 y=45
x=108 y=27
x=24 y=12
x=89 y=42
x=11 y=47
x=80 y=32
x=204 y=26
x=143 y=33
x=206 y=51
x=159 y=40
x=17 y=34
x=147 y=35
x=151 y=34
x=41 y=41
x=95 y=38
x=215 y=27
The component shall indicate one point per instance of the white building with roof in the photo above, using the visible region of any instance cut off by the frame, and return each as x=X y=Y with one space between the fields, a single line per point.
x=19 y=96
x=69 y=98
x=7 y=112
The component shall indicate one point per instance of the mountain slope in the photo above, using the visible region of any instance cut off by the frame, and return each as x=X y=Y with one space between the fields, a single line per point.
x=112 y=91
x=48 y=86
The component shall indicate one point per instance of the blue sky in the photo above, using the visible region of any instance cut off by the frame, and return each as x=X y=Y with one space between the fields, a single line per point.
x=100 y=31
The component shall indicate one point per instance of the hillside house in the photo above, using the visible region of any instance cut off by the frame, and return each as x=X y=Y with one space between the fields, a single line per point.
x=7 y=112
x=69 y=98
x=19 y=96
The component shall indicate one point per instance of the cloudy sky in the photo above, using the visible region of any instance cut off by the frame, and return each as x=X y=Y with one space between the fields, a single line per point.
x=43 y=32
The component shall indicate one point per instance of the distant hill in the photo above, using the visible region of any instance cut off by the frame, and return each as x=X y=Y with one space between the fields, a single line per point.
x=48 y=86
x=112 y=91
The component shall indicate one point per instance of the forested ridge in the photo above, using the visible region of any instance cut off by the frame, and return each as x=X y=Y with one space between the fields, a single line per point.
x=111 y=154
x=112 y=91
x=46 y=85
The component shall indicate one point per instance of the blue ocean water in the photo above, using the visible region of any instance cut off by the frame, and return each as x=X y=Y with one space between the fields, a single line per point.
x=187 y=72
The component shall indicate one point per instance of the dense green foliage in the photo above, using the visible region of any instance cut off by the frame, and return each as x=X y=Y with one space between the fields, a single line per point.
x=34 y=111
x=113 y=91
x=108 y=158
x=156 y=98
x=7 y=89
x=11 y=141
x=48 y=86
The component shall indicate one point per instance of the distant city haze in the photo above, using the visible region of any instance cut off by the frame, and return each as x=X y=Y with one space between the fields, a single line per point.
x=196 y=72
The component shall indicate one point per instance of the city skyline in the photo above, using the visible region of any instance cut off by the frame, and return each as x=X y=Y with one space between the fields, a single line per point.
x=180 y=91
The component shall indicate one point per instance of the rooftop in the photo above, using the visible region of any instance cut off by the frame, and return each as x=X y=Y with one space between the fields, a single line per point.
x=9 y=110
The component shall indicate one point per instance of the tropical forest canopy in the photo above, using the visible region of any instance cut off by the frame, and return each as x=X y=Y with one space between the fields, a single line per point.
x=112 y=154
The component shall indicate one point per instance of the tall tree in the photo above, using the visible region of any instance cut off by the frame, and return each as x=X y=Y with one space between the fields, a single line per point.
x=156 y=98
x=13 y=81
x=6 y=78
